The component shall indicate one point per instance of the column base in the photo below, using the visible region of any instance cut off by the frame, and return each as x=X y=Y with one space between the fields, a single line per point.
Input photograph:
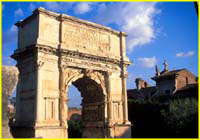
x=39 y=132
x=94 y=132
x=120 y=131
x=110 y=131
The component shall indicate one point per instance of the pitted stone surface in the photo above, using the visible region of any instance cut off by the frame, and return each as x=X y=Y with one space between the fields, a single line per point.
x=57 y=50
x=9 y=82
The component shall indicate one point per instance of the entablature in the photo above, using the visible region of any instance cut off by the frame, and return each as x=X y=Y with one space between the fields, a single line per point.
x=71 y=58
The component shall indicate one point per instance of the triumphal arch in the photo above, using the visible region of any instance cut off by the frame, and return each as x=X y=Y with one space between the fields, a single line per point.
x=55 y=51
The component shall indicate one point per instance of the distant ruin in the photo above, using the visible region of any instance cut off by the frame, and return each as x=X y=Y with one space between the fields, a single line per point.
x=9 y=82
x=171 y=83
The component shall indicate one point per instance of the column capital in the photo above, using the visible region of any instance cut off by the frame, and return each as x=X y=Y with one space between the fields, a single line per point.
x=125 y=75
x=39 y=64
x=123 y=34
x=62 y=17
x=109 y=73
x=87 y=72
x=63 y=66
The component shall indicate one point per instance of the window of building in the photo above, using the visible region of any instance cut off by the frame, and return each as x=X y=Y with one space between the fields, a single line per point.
x=145 y=84
x=187 y=82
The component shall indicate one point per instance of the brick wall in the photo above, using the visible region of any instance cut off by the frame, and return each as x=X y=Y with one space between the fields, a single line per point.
x=185 y=78
x=74 y=113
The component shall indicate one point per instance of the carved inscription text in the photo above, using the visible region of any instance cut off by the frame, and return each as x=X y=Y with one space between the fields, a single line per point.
x=86 y=38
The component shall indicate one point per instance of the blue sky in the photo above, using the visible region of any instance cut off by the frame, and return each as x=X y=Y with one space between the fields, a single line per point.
x=156 y=32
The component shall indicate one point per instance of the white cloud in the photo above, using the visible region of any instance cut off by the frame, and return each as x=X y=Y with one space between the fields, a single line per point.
x=148 y=62
x=55 y=6
x=19 y=13
x=59 y=6
x=78 y=7
x=8 y=61
x=13 y=28
x=135 y=18
x=32 y=7
x=185 y=54
x=9 y=36
x=82 y=7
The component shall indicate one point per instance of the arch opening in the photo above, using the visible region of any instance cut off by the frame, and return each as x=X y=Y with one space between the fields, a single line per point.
x=74 y=113
x=93 y=107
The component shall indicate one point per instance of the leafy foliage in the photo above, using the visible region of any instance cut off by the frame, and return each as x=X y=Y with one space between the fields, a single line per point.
x=174 y=118
x=181 y=113
x=74 y=129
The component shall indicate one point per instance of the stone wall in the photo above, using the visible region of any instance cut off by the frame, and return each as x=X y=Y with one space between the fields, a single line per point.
x=74 y=114
x=9 y=82
x=184 y=79
x=166 y=86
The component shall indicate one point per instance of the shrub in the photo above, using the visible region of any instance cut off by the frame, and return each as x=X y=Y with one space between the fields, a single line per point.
x=182 y=113
x=174 y=118
x=74 y=129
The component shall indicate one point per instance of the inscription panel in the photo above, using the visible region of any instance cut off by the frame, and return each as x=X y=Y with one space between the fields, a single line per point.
x=81 y=37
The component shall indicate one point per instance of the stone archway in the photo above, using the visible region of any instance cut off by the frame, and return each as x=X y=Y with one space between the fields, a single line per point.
x=55 y=51
x=93 y=105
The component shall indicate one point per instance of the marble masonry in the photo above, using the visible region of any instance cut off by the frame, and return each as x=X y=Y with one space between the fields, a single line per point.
x=57 y=50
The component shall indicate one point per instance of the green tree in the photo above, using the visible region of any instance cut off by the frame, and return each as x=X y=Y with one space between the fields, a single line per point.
x=181 y=115
x=74 y=129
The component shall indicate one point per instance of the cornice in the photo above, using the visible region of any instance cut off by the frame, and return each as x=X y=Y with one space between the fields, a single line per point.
x=20 y=53
x=64 y=17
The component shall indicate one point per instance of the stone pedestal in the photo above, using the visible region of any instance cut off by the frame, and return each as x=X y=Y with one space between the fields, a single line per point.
x=94 y=132
x=122 y=131
x=119 y=130
x=38 y=132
